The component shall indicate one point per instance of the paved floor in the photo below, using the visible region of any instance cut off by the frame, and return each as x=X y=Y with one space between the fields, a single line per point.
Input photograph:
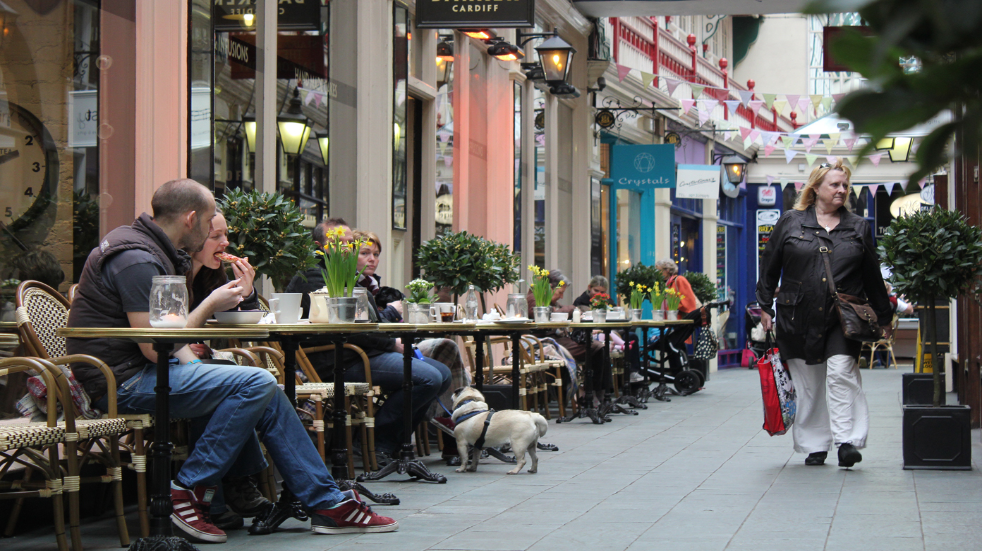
x=693 y=474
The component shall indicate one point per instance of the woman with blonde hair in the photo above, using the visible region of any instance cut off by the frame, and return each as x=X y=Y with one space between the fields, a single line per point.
x=819 y=235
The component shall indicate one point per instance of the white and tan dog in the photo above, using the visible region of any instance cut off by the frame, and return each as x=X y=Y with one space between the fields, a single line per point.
x=521 y=429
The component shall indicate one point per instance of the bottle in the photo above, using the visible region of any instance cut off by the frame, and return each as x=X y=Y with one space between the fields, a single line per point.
x=363 y=309
x=470 y=303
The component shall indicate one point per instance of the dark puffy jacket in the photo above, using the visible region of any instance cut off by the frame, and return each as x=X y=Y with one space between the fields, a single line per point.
x=792 y=258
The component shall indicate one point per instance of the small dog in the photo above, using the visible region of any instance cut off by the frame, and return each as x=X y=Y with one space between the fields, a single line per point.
x=521 y=429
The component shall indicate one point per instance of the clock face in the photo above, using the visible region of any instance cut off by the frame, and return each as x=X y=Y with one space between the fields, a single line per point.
x=28 y=161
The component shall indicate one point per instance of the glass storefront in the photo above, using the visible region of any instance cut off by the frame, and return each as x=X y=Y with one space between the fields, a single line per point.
x=443 y=185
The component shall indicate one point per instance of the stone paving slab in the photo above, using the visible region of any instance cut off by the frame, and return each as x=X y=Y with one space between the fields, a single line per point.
x=693 y=474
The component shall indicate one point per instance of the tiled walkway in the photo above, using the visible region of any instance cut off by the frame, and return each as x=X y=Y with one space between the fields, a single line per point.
x=693 y=474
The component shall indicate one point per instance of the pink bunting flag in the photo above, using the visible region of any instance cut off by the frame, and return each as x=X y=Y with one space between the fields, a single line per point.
x=921 y=183
x=732 y=104
x=811 y=141
x=873 y=188
x=687 y=104
x=789 y=154
x=832 y=159
x=754 y=133
x=803 y=104
x=850 y=142
x=875 y=159
x=745 y=132
x=770 y=179
x=672 y=84
x=622 y=72
x=755 y=105
x=792 y=100
x=768 y=149
x=798 y=186
x=838 y=97
x=708 y=105
x=305 y=95
x=745 y=96
x=703 y=115
x=444 y=136
x=448 y=160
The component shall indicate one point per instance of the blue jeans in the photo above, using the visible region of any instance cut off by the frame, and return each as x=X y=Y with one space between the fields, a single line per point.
x=430 y=379
x=227 y=405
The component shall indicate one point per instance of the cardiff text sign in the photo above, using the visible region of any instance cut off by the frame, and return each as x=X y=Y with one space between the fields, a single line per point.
x=482 y=14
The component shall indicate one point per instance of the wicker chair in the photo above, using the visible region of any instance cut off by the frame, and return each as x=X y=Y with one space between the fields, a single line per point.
x=41 y=311
x=27 y=445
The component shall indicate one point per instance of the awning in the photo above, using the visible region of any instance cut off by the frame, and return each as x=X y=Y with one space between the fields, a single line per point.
x=624 y=8
x=833 y=123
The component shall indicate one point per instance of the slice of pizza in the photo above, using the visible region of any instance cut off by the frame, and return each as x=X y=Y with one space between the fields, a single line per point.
x=227 y=257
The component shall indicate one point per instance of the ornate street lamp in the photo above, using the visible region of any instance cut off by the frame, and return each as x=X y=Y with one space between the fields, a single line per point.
x=555 y=55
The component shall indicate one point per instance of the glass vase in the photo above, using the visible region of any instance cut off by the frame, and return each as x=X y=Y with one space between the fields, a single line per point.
x=345 y=309
x=542 y=313
x=658 y=315
x=672 y=315
x=169 y=302
x=600 y=316
x=418 y=314
x=635 y=314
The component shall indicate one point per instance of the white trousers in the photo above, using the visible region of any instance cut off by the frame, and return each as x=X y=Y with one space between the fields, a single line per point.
x=831 y=406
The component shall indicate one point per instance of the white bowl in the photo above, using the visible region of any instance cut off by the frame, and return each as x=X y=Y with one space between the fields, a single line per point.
x=240 y=317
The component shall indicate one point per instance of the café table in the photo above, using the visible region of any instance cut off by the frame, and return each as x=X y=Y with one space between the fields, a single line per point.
x=514 y=331
x=163 y=341
x=662 y=326
x=407 y=463
x=598 y=416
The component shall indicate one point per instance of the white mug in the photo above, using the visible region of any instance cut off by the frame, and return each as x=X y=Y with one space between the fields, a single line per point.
x=286 y=307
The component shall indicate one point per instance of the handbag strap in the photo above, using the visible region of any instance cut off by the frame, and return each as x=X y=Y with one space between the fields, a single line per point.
x=824 y=251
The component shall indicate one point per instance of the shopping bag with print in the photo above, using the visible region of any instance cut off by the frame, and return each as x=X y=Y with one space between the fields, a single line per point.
x=777 y=391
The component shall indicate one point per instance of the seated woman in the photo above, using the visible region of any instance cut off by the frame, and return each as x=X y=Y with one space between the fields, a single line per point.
x=238 y=495
x=598 y=284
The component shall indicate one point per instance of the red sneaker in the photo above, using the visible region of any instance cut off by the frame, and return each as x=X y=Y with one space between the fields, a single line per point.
x=191 y=514
x=351 y=517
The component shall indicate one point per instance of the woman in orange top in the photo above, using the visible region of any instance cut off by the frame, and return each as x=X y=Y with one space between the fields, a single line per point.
x=673 y=280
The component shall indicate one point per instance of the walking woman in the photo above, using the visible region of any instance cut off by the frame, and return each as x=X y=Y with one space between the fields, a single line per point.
x=831 y=406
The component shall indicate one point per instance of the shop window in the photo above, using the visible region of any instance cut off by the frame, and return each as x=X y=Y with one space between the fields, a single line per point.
x=538 y=101
x=517 y=133
x=443 y=187
x=402 y=27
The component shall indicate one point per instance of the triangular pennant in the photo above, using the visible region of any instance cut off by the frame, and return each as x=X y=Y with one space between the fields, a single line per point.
x=784 y=183
x=745 y=96
x=873 y=188
x=834 y=136
x=442 y=146
x=850 y=142
x=921 y=183
x=732 y=104
x=708 y=104
x=769 y=100
x=754 y=134
x=305 y=96
x=809 y=143
x=622 y=72
x=832 y=159
x=798 y=186
x=646 y=79
x=697 y=90
x=810 y=159
x=856 y=190
x=672 y=84
x=827 y=103
x=320 y=99
x=444 y=136
x=803 y=105
x=889 y=187
x=747 y=143
x=779 y=105
x=687 y=104
x=875 y=159
x=816 y=99
x=829 y=144
x=838 y=97
x=755 y=105
x=854 y=161
x=448 y=160
x=703 y=115
x=788 y=141
x=789 y=154
x=768 y=149
x=770 y=179
x=744 y=132
x=792 y=100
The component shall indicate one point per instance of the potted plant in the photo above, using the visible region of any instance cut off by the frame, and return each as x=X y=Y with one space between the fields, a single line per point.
x=456 y=260
x=340 y=273
x=673 y=300
x=657 y=298
x=933 y=255
x=268 y=229
x=703 y=287
x=542 y=292
x=639 y=293
x=639 y=274
x=419 y=300
x=599 y=303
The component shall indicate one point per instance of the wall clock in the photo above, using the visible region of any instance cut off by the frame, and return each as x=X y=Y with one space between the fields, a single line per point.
x=28 y=167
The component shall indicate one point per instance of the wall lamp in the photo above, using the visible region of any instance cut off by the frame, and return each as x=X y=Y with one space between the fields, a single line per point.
x=480 y=34
x=324 y=142
x=555 y=55
x=444 y=48
x=501 y=49
x=734 y=165
x=294 y=126
x=249 y=123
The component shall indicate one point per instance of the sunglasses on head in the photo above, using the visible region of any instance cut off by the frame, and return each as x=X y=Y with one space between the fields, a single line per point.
x=825 y=165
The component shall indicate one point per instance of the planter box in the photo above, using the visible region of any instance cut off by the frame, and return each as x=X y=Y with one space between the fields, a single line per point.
x=937 y=438
x=918 y=389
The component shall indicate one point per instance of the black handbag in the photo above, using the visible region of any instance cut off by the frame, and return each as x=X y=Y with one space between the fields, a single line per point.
x=858 y=320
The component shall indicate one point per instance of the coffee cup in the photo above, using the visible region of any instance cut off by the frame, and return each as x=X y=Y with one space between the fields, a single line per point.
x=285 y=307
x=446 y=312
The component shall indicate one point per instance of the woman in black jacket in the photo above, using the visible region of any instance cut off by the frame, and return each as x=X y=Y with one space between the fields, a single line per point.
x=831 y=405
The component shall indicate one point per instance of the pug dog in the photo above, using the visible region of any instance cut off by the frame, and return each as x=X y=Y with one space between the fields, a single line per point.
x=521 y=429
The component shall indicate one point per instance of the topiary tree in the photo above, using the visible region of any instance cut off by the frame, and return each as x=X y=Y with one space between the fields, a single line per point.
x=640 y=274
x=932 y=254
x=456 y=260
x=703 y=287
x=268 y=228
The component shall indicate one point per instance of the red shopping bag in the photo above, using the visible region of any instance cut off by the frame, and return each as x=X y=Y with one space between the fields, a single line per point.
x=778 y=393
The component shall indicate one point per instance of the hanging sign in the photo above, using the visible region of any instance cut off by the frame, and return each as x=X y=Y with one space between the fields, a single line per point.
x=483 y=14
x=643 y=166
x=767 y=196
x=698 y=182
x=766 y=218
x=605 y=118
x=673 y=138
x=240 y=15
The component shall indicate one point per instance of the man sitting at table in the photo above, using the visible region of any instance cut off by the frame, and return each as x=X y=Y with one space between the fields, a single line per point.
x=230 y=403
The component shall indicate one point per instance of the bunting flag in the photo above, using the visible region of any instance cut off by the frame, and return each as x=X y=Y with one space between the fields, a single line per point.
x=784 y=183
x=697 y=90
x=816 y=100
x=747 y=143
x=622 y=72
x=766 y=137
x=703 y=115
x=834 y=136
x=827 y=103
x=755 y=106
x=856 y=190
x=745 y=96
x=448 y=160
x=779 y=105
x=850 y=142
x=875 y=159
x=305 y=95
x=754 y=134
x=838 y=97
x=798 y=186
x=646 y=79
x=803 y=105
x=732 y=104
x=921 y=183
x=672 y=84
x=810 y=141
x=792 y=100
x=770 y=179
x=889 y=187
x=744 y=132
x=788 y=141
x=789 y=154
x=769 y=99
x=768 y=149
x=687 y=104
x=829 y=144
x=832 y=159
x=854 y=161
x=810 y=159
x=444 y=136
x=873 y=188
x=442 y=146
x=708 y=105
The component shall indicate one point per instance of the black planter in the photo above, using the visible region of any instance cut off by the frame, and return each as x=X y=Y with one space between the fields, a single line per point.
x=918 y=389
x=937 y=438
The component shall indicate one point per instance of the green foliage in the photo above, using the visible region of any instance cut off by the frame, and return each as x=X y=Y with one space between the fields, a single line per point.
x=419 y=292
x=456 y=260
x=703 y=287
x=945 y=38
x=85 y=228
x=639 y=274
x=268 y=228
x=932 y=254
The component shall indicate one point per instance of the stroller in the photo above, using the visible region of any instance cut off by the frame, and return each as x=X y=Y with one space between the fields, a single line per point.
x=681 y=371
x=756 y=337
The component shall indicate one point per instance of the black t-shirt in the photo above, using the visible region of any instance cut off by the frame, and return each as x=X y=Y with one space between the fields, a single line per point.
x=130 y=274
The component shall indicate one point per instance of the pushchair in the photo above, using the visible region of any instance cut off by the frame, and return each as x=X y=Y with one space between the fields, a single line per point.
x=756 y=337
x=681 y=371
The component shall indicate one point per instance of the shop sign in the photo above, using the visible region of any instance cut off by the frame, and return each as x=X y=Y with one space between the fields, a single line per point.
x=457 y=14
x=766 y=219
x=83 y=115
x=698 y=182
x=294 y=15
x=673 y=138
x=643 y=167
x=767 y=196
x=605 y=118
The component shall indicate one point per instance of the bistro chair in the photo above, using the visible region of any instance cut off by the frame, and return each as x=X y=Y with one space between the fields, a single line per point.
x=885 y=344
